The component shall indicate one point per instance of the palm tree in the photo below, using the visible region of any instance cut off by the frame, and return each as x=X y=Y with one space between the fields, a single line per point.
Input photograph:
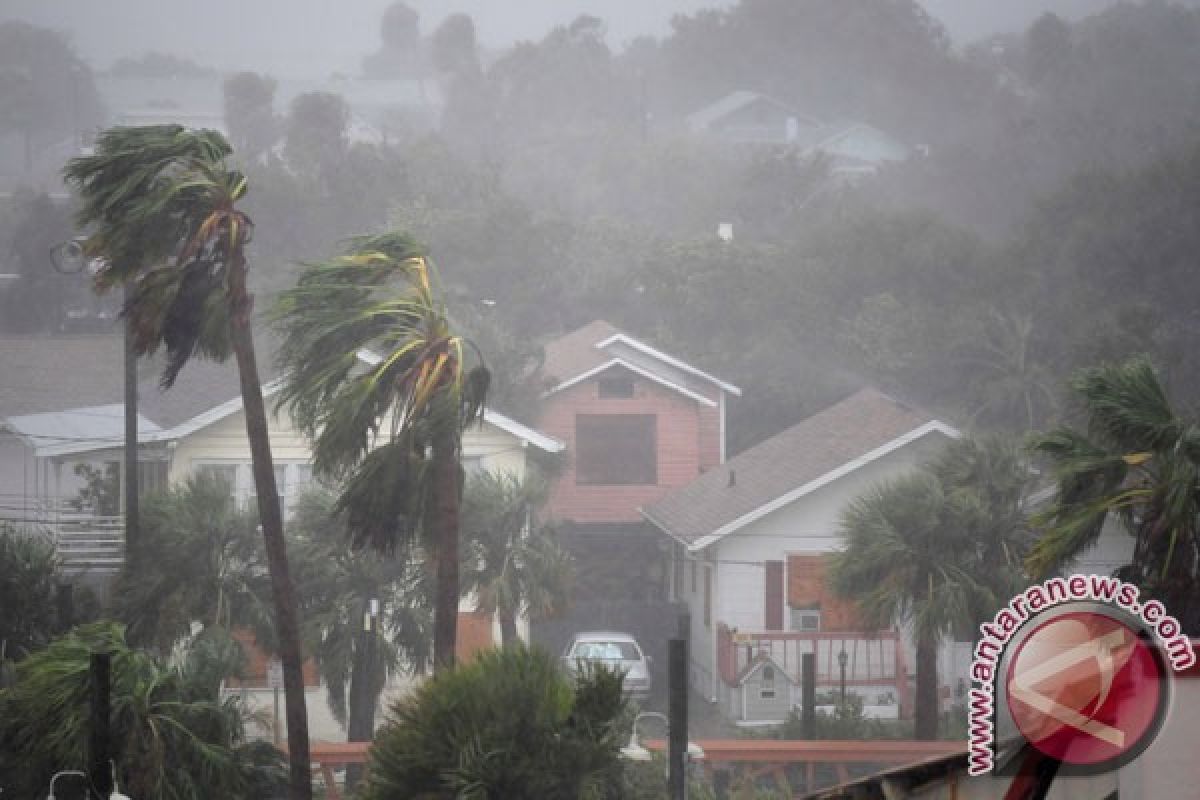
x=338 y=586
x=1138 y=461
x=175 y=738
x=939 y=549
x=513 y=567
x=161 y=205
x=510 y=723
x=200 y=560
x=1012 y=386
x=390 y=429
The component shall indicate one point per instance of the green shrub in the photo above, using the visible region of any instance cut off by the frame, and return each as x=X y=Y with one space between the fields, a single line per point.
x=509 y=724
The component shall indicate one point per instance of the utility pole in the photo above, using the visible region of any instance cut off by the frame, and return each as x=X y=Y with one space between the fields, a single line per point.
x=808 y=695
x=131 y=438
x=99 y=734
x=677 y=725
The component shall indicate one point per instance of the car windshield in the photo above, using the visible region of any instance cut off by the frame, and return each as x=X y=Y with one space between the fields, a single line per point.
x=607 y=651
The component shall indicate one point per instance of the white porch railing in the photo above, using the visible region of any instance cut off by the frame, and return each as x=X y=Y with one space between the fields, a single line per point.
x=84 y=542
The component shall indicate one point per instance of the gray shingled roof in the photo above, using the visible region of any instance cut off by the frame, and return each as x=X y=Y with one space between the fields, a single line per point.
x=850 y=429
x=57 y=373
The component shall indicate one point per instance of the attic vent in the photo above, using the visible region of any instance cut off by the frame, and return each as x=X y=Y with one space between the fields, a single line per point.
x=732 y=479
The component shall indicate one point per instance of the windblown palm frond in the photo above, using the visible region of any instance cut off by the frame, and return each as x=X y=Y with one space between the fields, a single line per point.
x=1138 y=463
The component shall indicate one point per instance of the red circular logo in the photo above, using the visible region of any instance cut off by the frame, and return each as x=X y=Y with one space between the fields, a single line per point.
x=1086 y=689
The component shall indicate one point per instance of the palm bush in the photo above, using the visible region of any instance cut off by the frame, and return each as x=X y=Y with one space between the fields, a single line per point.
x=509 y=724
x=28 y=584
x=173 y=738
x=199 y=560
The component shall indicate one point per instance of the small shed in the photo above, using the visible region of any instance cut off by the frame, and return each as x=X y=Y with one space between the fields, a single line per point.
x=767 y=691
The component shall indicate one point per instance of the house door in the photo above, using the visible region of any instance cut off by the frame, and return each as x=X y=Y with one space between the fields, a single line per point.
x=773 y=612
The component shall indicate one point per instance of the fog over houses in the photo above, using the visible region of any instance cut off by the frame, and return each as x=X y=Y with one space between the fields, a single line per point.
x=433 y=400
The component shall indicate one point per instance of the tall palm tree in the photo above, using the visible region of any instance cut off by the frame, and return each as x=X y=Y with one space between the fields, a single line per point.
x=1138 y=461
x=338 y=586
x=513 y=566
x=161 y=205
x=939 y=549
x=377 y=376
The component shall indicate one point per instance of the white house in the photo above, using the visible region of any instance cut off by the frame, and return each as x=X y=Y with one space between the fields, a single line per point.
x=748 y=545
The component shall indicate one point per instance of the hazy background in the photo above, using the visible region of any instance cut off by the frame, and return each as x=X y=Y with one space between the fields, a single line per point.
x=317 y=37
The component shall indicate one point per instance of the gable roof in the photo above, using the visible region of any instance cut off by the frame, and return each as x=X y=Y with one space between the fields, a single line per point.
x=599 y=346
x=848 y=435
x=701 y=119
x=760 y=661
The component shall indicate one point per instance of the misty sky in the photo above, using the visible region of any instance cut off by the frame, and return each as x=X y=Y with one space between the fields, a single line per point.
x=314 y=38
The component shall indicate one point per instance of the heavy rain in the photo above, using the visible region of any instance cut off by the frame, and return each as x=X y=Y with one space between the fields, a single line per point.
x=750 y=399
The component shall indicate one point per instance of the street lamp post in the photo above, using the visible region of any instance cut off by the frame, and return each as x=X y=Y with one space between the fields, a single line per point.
x=843 y=658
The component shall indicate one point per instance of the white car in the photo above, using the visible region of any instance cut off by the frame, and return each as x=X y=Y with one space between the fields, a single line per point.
x=613 y=650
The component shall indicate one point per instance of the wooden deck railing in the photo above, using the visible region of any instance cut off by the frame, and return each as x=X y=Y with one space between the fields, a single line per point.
x=760 y=759
x=872 y=659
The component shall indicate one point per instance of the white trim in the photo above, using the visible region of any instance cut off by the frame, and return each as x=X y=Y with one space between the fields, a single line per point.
x=523 y=432
x=650 y=376
x=666 y=359
x=823 y=480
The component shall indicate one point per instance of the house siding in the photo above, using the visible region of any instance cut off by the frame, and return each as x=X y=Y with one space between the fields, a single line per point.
x=766 y=709
x=687 y=436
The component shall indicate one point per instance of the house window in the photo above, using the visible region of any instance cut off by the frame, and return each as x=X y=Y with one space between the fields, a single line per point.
x=693 y=577
x=224 y=474
x=804 y=619
x=616 y=449
x=472 y=465
x=766 y=687
x=615 y=386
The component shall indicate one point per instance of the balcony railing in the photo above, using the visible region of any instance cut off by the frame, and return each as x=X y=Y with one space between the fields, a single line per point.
x=872 y=659
x=84 y=542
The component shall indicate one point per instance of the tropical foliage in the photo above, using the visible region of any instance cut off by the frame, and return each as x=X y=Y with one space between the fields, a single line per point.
x=939 y=548
x=199 y=561
x=338 y=586
x=1134 y=460
x=509 y=724
x=28 y=590
x=161 y=208
x=513 y=564
x=377 y=376
x=173 y=739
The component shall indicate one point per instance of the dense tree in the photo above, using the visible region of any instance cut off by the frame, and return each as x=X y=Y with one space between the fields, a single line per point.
x=47 y=93
x=454 y=49
x=249 y=100
x=172 y=737
x=38 y=301
x=315 y=141
x=508 y=724
x=1136 y=462
x=159 y=65
x=937 y=549
x=161 y=203
x=513 y=565
x=392 y=430
x=400 y=50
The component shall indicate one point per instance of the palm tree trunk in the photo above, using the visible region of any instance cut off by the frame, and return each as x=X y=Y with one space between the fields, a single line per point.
x=446 y=497
x=926 y=723
x=508 y=629
x=286 y=617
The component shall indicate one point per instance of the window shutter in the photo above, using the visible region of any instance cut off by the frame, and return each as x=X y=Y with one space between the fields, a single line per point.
x=773 y=613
